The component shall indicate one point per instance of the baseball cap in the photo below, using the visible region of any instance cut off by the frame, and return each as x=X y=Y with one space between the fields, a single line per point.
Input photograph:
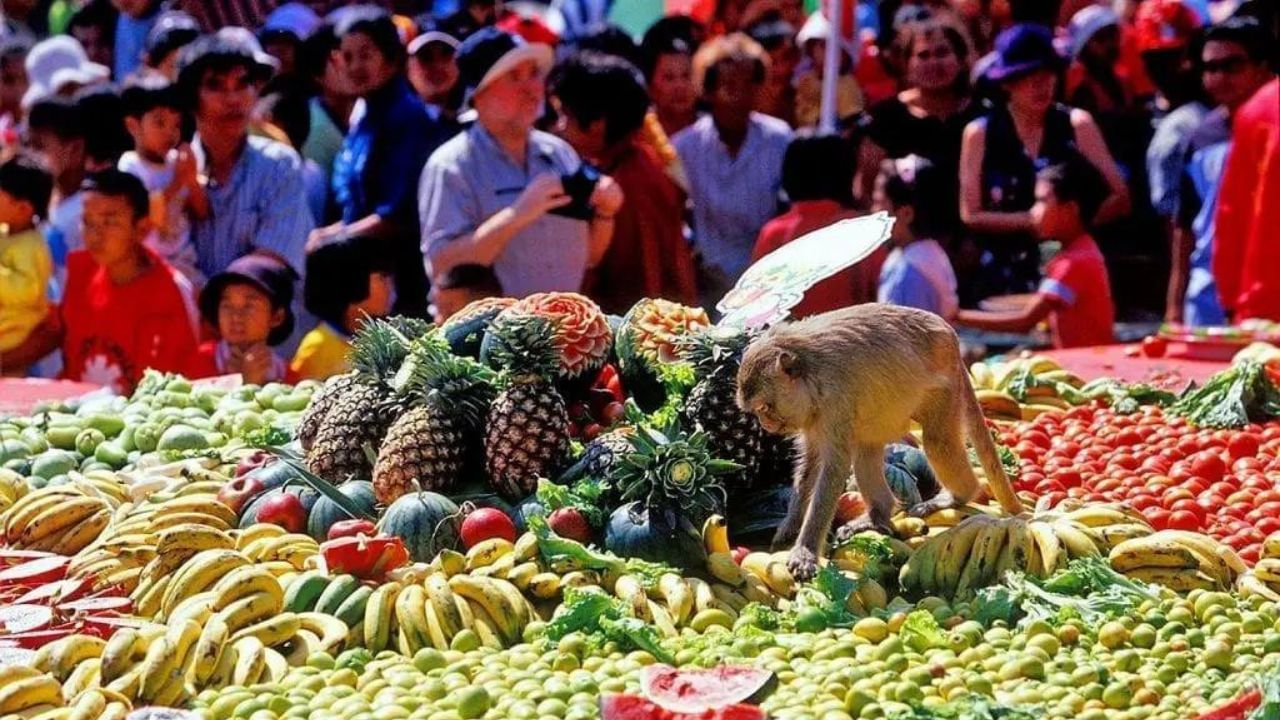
x=1164 y=25
x=433 y=36
x=292 y=18
x=490 y=52
x=56 y=62
x=1087 y=22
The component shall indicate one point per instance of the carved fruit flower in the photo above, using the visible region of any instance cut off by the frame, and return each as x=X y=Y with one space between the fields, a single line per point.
x=582 y=332
x=658 y=324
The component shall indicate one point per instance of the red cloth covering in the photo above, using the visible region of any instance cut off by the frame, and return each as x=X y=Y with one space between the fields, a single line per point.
x=1246 y=246
x=648 y=256
x=851 y=286
x=1085 y=316
x=115 y=332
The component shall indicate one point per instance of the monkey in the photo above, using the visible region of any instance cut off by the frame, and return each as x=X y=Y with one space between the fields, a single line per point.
x=845 y=384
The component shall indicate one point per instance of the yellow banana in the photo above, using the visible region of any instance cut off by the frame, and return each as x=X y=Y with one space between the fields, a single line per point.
x=507 y=610
x=209 y=648
x=82 y=533
x=1048 y=546
x=207 y=504
x=200 y=573
x=722 y=567
x=251 y=660
x=629 y=590
x=441 y=597
x=28 y=693
x=249 y=610
x=272 y=632
x=243 y=582
x=487 y=552
x=545 y=586
x=192 y=538
x=715 y=535
x=378 y=613
x=526 y=547
x=678 y=597
x=331 y=631
x=255 y=532
x=1151 y=551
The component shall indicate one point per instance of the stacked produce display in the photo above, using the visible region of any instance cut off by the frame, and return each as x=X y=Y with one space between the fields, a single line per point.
x=539 y=511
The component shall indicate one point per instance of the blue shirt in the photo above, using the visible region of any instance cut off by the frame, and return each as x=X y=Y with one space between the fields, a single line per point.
x=1167 y=154
x=470 y=178
x=733 y=197
x=1205 y=157
x=130 y=43
x=377 y=170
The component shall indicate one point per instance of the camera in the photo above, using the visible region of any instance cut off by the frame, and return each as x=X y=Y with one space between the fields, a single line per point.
x=579 y=185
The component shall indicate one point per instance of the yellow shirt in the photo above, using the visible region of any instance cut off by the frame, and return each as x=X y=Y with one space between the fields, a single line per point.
x=322 y=354
x=809 y=98
x=25 y=269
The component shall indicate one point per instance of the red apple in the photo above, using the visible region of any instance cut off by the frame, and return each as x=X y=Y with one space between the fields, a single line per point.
x=739 y=553
x=849 y=507
x=237 y=493
x=351 y=528
x=253 y=461
x=484 y=524
x=569 y=522
x=284 y=510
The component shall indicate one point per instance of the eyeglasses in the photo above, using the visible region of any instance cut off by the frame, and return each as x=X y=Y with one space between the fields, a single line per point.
x=1226 y=66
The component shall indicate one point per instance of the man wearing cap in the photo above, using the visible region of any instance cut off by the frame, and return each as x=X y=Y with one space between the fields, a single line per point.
x=433 y=72
x=257 y=198
x=137 y=17
x=489 y=196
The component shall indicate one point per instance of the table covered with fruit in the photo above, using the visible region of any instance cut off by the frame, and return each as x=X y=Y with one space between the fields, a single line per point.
x=539 y=511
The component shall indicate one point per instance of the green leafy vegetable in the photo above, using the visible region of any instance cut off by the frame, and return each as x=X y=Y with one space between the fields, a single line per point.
x=1124 y=399
x=634 y=633
x=267 y=437
x=829 y=594
x=972 y=707
x=1233 y=398
x=1087 y=589
x=874 y=551
x=921 y=632
x=601 y=617
x=583 y=495
x=677 y=379
x=558 y=550
x=1269 y=687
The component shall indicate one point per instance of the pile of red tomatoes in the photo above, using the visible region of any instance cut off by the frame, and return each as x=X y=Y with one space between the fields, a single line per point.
x=1225 y=483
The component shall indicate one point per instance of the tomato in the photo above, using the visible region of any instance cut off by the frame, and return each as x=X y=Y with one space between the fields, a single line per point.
x=1191 y=506
x=1158 y=517
x=1068 y=478
x=1126 y=438
x=1208 y=465
x=1184 y=520
x=1243 y=445
x=1251 y=553
x=1268 y=525
x=1143 y=501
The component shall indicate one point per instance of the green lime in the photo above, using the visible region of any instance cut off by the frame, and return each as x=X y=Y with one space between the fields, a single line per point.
x=428 y=659
x=473 y=702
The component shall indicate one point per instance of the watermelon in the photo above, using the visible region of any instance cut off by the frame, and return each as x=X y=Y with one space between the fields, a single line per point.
x=427 y=522
x=659 y=536
x=913 y=460
x=326 y=512
x=698 y=690
x=903 y=485
x=465 y=330
x=634 y=707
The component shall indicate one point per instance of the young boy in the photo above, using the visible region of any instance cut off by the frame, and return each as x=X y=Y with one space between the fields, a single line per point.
x=347 y=280
x=460 y=286
x=249 y=304
x=917 y=272
x=125 y=308
x=1075 y=294
x=167 y=168
x=25 y=262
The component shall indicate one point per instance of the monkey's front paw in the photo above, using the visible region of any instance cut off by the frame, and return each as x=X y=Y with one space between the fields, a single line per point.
x=803 y=563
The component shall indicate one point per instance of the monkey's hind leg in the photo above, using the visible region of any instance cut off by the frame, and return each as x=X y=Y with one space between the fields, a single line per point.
x=944 y=422
x=802 y=494
x=868 y=470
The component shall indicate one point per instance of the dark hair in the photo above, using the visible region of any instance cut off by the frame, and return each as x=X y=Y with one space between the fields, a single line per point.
x=1246 y=32
x=15 y=46
x=171 y=32
x=313 y=56
x=142 y=95
x=97 y=13
x=772 y=33
x=25 y=178
x=291 y=112
x=675 y=34
x=116 y=183
x=652 y=52
x=593 y=86
x=337 y=275
x=817 y=167
x=905 y=39
x=105 y=136
x=1074 y=182
x=916 y=182
x=611 y=40
x=728 y=49
x=211 y=54
x=376 y=24
x=59 y=115
x=469 y=276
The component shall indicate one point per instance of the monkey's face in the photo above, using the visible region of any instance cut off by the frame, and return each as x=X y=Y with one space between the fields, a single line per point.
x=770 y=388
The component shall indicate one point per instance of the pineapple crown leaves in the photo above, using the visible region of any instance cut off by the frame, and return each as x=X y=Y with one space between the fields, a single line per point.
x=671 y=472
x=382 y=344
x=433 y=374
x=715 y=350
x=523 y=346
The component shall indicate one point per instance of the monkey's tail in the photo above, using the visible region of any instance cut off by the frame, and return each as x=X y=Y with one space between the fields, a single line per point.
x=985 y=447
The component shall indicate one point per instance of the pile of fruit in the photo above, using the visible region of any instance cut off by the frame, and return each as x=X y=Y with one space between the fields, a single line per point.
x=541 y=511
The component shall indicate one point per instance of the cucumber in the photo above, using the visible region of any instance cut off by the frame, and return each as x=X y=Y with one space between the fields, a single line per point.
x=340 y=588
x=351 y=611
x=305 y=590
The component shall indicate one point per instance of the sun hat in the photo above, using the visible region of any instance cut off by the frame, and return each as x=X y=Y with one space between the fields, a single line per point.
x=264 y=271
x=1021 y=50
x=433 y=36
x=172 y=30
x=55 y=62
x=293 y=18
x=1165 y=25
x=1086 y=23
x=489 y=53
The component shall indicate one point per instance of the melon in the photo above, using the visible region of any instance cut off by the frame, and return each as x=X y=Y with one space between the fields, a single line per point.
x=698 y=690
x=666 y=537
x=427 y=522
x=466 y=329
x=634 y=707
x=913 y=460
x=326 y=512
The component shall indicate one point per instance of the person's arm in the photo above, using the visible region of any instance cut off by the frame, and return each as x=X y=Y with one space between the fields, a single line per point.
x=870 y=155
x=44 y=339
x=1182 y=243
x=972 y=150
x=1019 y=321
x=607 y=201
x=1094 y=148
x=186 y=176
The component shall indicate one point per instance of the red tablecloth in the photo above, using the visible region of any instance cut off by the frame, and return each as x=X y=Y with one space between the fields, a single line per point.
x=19 y=395
x=1111 y=361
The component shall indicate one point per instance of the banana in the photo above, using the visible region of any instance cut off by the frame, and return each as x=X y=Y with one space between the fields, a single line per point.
x=545 y=586
x=980 y=376
x=120 y=652
x=194 y=608
x=57 y=519
x=87 y=674
x=70 y=651
x=500 y=600
x=331 y=630
x=243 y=582
x=1014 y=556
x=629 y=590
x=249 y=610
x=1075 y=540
x=703 y=597
x=293 y=548
x=526 y=548
x=500 y=568
x=729 y=596
x=435 y=632
x=200 y=573
x=998 y=402
x=1177 y=579
x=206 y=504
x=452 y=562
x=779 y=579
x=302 y=646
x=1101 y=515
x=255 y=532
x=378 y=613
x=30 y=506
x=579 y=578
x=1268 y=571
x=487 y=552
x=757 y=563
x=486 y=628
x=277 y=666
x=161 y=522
x=209 y=649
x=192 y=538
x=225 y=669
x=1251 y=584
x=272 y=632
x=756 y=590
x=949 y=561
x=1050 y=549
x=522 y=574
x=305 y=591
x=251 y=660
x=28 y=693
x=441 y=597
x=678 y=597
x=662 y=620
x=82 y=533
x=982 y=560
x=722 y=567
x=161 y=664
x=1151 y=551
x=1223 y=560
x=1271 y=546
x=88 y=706
x=715 y=535
x=411 y=615
x=146 y=603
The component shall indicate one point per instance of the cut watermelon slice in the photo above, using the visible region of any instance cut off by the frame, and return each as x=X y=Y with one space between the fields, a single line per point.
x=50 y=568
x=10 y=557
x=14 y=655
x=25 y=618
x=634 y=707
x=695 y=691
x=55 y=592
x=36 y=639
x=98 y=606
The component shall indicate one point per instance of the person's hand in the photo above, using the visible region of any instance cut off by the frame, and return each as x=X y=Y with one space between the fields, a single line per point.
x=321 y=235
x=607 y=198
x=185 y=170
x=544 y=194
x=253 y=363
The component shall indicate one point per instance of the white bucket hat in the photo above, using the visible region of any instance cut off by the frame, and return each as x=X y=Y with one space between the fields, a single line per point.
x=56 y=62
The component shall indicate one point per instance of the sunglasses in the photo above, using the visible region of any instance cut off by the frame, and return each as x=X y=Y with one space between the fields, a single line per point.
x=1226 y=66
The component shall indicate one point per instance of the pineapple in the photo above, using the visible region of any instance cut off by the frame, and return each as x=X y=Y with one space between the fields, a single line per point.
x=712 y=407
x=320 y=404
x=528 y=428
x=428 y=446
x=360 y=409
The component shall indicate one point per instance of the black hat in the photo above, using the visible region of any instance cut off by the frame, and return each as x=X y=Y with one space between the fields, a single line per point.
x=490 y=52
x=1022 y=50
x=265 y=271
x=172 y=31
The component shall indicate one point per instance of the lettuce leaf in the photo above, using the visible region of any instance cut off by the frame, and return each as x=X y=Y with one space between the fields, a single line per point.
x=921 y=632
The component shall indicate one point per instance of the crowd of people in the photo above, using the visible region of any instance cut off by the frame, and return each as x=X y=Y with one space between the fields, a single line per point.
x=236 y=186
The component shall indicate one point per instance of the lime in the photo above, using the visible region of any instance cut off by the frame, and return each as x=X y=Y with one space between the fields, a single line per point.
x=182 y=437
x=473 y=702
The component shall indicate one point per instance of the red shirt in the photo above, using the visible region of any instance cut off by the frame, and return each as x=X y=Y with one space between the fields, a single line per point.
x=1076 y=282
x=851 y=286
x=205 y=362
x=115 y=332
x=1248 y=215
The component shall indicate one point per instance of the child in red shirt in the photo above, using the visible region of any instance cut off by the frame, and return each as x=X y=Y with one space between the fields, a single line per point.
x=125 y=309
x=249 y=304
x=1075 y=294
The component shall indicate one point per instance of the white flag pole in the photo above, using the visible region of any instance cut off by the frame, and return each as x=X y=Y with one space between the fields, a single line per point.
x=831 y=66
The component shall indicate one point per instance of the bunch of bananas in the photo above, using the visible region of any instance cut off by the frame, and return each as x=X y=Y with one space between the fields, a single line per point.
x=1179 y=560
x=28 y=691
x=62 y=519
x=148 y=540
x=1263 y=579
x=1021 y=389
x=981 y=548
x=12 y=487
